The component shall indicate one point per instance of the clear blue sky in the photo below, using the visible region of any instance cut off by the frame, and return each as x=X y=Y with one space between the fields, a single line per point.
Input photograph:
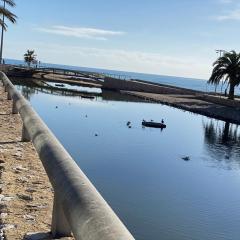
x=174 y=37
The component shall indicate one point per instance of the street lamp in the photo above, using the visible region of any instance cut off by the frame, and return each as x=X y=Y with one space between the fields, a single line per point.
x=220 y=51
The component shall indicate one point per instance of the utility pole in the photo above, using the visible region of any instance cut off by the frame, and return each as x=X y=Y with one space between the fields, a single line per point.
x=1 y=47
x=220 y=51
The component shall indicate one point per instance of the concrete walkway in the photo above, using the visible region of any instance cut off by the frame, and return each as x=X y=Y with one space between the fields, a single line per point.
x=193 y=104
x=26 y=195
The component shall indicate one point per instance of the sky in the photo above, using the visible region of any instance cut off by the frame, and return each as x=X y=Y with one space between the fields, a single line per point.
x=176 y=38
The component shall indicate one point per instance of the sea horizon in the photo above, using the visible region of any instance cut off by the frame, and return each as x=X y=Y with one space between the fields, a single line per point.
x=177 y=81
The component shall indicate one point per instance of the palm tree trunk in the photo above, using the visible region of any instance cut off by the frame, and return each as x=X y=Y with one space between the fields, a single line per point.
x=1 y=47
x=231 y=92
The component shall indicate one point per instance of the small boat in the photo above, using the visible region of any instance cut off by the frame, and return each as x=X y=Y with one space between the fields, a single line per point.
x=59 y=85
x=153 y=124
x=88 y=97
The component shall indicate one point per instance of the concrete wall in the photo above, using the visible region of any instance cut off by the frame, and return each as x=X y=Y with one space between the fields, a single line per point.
x=220 y=101
x=133 y=85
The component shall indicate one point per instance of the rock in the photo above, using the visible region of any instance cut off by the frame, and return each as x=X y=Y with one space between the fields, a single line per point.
x=37 y=182
x=22 y=180
x=5 y=198
x=20 y=168
x=7 y=226
x=25 y=197
x=35 y=206
x=3 y=215
x=30 y=190
x=29 y=217
x=17 y=155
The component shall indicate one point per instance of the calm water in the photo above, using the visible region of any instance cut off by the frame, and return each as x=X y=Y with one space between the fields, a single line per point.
x=140 y=171
x=191 y=83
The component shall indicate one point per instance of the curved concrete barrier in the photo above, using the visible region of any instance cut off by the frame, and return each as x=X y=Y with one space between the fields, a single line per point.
x=78 y=206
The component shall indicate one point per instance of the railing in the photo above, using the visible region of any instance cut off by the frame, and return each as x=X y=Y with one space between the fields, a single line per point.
x=78 y=207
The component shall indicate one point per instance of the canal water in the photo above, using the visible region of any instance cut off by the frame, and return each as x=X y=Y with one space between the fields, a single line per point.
x=141 y=171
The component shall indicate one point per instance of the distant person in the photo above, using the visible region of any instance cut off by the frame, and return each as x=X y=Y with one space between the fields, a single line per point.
x=3 y=61
x=225 y=93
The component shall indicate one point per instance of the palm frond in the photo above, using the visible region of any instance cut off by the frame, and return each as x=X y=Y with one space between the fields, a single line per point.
x=3 y=24
x=9 y=15
x=226 y=69
x=10 y=2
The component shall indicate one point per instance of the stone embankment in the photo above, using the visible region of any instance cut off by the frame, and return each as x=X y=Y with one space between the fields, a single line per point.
x=211 y=107
x=26 y=196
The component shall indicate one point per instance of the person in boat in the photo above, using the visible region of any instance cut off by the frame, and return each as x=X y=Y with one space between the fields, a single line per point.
x=162 y=121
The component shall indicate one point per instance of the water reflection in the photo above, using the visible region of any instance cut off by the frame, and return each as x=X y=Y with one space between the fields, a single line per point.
x=29 y=87
x=222 y=142
x=27 y=92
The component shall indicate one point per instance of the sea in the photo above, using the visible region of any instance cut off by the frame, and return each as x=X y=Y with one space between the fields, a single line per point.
x=189 y=83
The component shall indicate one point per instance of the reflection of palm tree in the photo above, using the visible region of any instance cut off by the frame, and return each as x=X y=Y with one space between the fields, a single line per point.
x=227 y=69
x=222 y=140
x=27 y=92
x=225 y=135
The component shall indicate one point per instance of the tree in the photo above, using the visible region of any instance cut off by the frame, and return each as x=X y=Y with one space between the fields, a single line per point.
x=30 y=57
x=227 y=69
x=10 y=16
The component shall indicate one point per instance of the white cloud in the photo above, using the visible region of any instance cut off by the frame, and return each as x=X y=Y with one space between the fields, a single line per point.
x=231 y=15
x=81 y=32
x=226 y=1
x=118 y=59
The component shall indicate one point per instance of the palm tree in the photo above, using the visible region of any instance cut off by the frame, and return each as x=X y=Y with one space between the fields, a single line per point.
x=10 y=16
x=227 y=69
x=29 y=57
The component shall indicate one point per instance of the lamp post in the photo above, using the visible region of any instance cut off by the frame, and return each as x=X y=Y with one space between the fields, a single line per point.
x=3 y=21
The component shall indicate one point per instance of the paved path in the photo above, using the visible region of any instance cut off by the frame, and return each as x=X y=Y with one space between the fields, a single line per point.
x=193 y=104
x=26 y=195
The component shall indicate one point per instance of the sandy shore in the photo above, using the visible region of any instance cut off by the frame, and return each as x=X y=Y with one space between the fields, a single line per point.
x=26 y=195
x=68 y=80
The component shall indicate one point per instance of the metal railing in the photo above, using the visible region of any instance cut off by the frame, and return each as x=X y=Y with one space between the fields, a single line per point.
x=78 y=207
